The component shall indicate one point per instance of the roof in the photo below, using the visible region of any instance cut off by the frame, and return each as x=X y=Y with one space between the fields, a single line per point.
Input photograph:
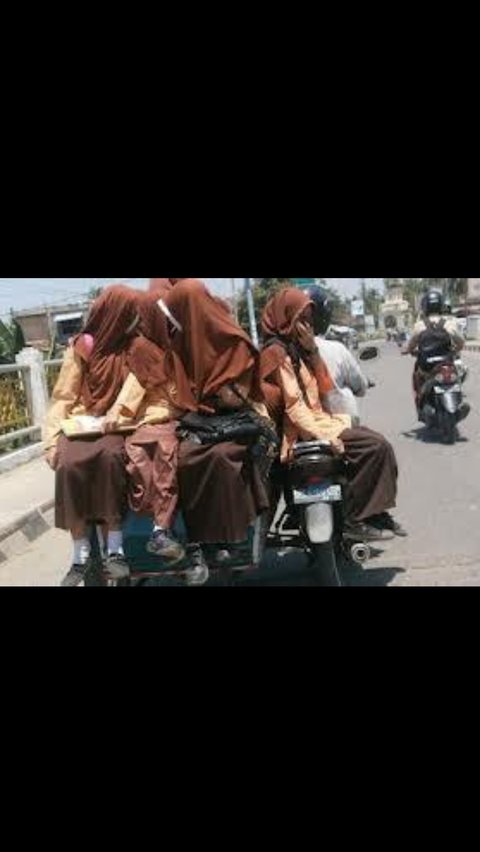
x=53 y=309
x=65 y=317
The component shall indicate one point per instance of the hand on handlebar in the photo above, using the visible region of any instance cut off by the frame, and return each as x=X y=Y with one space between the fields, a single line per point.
x=338 y=447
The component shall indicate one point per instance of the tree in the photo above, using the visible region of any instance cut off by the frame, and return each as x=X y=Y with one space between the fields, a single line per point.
x=373 y=299
x=412 y=290
x=94 y=293
x=453 y=288
x=11 y=341
x=263 y=289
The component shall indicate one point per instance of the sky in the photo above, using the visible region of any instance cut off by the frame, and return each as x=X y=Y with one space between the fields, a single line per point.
x=18 y=293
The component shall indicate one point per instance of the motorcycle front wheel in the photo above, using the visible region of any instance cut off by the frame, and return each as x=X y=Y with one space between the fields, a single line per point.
x=449 y=426
x=325 y=565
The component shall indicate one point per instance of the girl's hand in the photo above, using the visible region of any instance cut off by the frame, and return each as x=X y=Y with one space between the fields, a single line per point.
x=338 y=447
x=51 y=457
x=111 y=422
x=306 y=338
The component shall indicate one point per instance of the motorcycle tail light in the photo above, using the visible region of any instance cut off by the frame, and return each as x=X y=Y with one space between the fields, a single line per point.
x=446 y=375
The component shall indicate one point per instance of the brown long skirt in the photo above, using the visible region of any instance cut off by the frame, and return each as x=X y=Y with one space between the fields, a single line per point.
x=152 y=467
x=91 y=481
x=372 y=474
x=221 y=491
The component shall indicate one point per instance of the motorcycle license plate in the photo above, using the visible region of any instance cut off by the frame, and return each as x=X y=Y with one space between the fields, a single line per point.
x=321 y=493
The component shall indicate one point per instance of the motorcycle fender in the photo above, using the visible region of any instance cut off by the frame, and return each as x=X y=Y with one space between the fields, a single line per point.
x=319 y=522
x=451 y=401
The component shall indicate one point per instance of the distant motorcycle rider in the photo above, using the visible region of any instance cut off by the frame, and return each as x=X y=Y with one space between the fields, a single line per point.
x=436 y=333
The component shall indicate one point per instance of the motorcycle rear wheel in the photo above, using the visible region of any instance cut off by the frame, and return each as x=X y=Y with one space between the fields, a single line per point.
x=325 y=565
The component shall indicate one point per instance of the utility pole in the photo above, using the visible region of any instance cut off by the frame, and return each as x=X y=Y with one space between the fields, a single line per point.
x=251 y=311
x=234 y=298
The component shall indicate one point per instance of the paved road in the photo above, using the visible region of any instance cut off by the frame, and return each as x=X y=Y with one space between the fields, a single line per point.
x=439 y=496
x=439 y=493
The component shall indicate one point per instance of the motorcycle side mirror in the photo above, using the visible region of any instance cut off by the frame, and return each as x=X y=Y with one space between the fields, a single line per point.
x=369 y=353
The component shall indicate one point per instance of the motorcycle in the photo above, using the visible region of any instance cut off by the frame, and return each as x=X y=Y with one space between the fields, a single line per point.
x=441 y=402
x=309 y=518
x=313 y=514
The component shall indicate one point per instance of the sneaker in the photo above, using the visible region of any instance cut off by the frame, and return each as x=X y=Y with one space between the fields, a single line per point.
x=386 y=522
x=163 y=544
x=222 y=557
x=198 y=574
x=116 y=567
x=364 y=532
x=75 y=576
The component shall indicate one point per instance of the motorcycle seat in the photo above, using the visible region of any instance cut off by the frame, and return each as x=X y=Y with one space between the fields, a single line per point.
x=315 y=458
x=311 y=448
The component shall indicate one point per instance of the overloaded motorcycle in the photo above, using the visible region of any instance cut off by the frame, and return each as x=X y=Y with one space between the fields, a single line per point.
x=301 y=542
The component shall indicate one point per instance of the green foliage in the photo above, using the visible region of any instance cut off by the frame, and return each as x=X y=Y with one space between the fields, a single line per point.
x=11 y=341
x=453 y=288
x=94 y=293
x=264 y=289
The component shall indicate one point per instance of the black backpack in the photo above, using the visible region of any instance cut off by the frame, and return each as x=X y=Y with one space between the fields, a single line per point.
x=434 y=342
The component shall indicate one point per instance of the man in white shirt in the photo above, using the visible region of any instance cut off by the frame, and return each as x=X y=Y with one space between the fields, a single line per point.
x=340 y=362
x=433 y=315
x=345 y=371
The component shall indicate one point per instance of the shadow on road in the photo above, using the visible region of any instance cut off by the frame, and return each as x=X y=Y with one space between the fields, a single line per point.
x=430 y=436
x=355 y=575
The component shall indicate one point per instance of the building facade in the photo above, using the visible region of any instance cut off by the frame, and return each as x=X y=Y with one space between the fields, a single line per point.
x=42 y=327
x=395 y=312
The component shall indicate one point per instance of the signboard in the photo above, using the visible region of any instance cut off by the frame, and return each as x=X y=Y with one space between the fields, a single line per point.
x=304 y=282
x=358 y=308
x=473 y=285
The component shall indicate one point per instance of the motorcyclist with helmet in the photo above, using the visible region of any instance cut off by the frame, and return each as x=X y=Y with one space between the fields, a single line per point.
x=342 y=365
x=436 y=333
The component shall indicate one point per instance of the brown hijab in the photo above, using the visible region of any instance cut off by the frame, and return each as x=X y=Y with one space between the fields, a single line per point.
x=279 y=320
x=149 y=351
x=104 y=345
x=160 y=286
x=225 y=305
x=214 y=350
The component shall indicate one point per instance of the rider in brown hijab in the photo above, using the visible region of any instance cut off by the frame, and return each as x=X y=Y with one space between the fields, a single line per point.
x=291 y=381
x=221 y=491
x=91 y=482
x=215 y=351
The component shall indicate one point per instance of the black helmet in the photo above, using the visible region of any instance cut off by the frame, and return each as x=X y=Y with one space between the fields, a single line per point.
x=432 y=302
x=322 y=307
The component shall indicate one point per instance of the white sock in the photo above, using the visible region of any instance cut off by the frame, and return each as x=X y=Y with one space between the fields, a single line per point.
x=115 y=543
x=81 y=551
